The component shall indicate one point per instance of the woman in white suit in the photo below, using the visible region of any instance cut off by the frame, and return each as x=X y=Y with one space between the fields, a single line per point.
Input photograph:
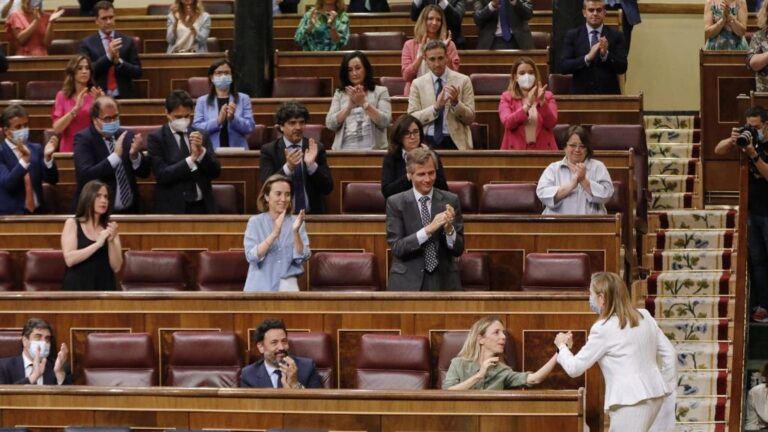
x=224 y=113
x=625 y=342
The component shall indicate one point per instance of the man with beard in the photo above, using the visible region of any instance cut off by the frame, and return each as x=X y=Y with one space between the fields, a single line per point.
x=276 y=369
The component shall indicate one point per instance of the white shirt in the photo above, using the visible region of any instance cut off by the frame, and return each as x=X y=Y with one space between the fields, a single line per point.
x=589 y=41
x=579 y=201
x=271 y=373
x=757 y=408
x=28 y=368
x=421 y=235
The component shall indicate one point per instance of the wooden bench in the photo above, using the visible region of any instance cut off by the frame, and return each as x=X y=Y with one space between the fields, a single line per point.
x=261 y=409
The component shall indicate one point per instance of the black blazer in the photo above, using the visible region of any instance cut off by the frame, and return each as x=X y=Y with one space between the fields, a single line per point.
x=125 y=72
x=12 y=191
x=255 y=375
x=376 y=6
x=91 y=164
x=517 y=16
x=394 y=179
x=173 y=175
x=289 y=6
x=318 y=185
x=453 y=15
x=12 y=372
x=600 y=77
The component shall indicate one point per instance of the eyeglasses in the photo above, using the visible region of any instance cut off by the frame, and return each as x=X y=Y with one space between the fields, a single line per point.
x=110 y=119
x=412 y=134
x=595 y=10
x=576 y=146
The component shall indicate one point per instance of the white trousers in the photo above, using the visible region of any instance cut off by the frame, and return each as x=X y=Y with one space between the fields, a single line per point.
x=635 y=418
x=289 y=284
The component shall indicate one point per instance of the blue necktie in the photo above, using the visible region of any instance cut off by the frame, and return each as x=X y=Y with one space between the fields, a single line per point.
x=439 y=120
x=126 y=194
x=506 y=34
x=299 y=199
x=430 y=247
x=593 y=39
x=279 y=375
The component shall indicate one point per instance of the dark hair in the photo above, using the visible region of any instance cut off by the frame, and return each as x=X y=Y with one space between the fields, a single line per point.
x=179 y=98
x=35 y=323
x=290 y=110
x=85 y=210
x=102 y=5
x=267 y=325
x=96 y=107
x=757 y=111
x=583 y=135
x=435 y=43
x=212 y=88
x=400 y=129
x=419 y=156
x=71 y=70
x=266 y=188
x=11 y=111
x=344 y=71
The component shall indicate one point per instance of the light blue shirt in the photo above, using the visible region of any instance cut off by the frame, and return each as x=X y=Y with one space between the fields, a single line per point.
x=281 y=260
x=579 y=201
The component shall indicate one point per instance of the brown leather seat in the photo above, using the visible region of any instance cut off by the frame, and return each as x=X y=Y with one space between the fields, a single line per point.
x=343 y=271
x=225 y=196
x=70 y=11
x=157 y=9
x=560 y=84
x=618 y=201
x=475 y=271
x=219 y=7
x=144 y=130
x=198 y=86
x=63 y=47
x=467 y=193
x=556 y=271
x=213 y=45
x=319 y=347
x=119 y=359
x=44 y=270
x=204 y=359
x=353 y=43
x=259 y=136
x=6 y=272
x=452 y=343
x=153 y=271
x=8 y=90
x=479 y=136
x=395 y=85
x=510 y=198
x=221 y=271
x=10 y=343
x=561 y=135
x=393 y=362
x=302 y=87
x=489 y=84
x=362 y=198
x=41 y=90
x=541 y=40
x=377 y=41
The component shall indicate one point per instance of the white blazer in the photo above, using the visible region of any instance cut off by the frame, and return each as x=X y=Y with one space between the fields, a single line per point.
x=627 y=358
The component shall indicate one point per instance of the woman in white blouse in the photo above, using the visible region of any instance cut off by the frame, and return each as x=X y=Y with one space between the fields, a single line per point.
x=757 y=406
x=187 y=27
x=577 y=184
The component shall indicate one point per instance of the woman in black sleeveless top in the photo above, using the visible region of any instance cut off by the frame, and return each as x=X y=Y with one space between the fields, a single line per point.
x=91 y=243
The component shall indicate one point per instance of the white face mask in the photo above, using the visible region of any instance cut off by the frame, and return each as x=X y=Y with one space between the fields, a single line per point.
x=42 y=346
x=526 y=81
x=180 y=125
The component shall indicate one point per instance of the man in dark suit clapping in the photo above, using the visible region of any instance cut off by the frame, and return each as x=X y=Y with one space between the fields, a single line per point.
x=37 y=363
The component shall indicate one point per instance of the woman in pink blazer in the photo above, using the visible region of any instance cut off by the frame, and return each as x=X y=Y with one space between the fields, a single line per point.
x=527 y=110
x=431 y=25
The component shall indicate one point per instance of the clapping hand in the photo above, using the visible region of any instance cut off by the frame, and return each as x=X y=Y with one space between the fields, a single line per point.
x=119 y=145
x=487 y=364
x=311 y=154
x=231 y=108
x=195 y=144
x=23 y=151
x=541 y=92
x=50 y=147
x=448 y=37
x=278 y=223
x=331 y=17
x=603 y=44
x=298 y=222
x=56 y=15
x=450 y=215
x=113 y=230
x=61 y=360
x=293 y=158
x=136 y=144
x=530 y=99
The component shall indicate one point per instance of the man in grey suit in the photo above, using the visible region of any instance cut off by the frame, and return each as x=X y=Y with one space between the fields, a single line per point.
x=503 y=24
x=425 y=231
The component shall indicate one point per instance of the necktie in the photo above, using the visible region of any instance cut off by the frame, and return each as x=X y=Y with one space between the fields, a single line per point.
x=126 y=195
x=299 y=199
x=430 y=247
x=279 y=375
x=29 y=198
x=506 y=34
x=439 y=120
x=183 y=147
x=111 y=77
x=593 y=39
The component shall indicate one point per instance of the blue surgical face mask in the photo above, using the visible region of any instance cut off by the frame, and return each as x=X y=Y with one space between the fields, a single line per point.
x=222 y=82
x=760 y=135
x=21 y=135
x=593 y=305
x=110 y=128
x=36 y=4
x=42 y=347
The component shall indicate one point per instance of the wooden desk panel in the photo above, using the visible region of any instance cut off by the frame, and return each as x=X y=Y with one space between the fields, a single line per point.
x=258 y=410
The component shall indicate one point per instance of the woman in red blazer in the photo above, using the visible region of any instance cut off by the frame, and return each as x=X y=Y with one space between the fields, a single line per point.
x=527 y=110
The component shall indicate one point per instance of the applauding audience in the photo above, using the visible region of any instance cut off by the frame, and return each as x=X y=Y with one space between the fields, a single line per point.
x=73 y=102
x=430 y=26
x=725 y=22
x=527 y=110
x=360 y=111
x=187 y=27
x=30 y=30
x=91 y=243
x=325 y=27
x=503 y=24
x=453 y=11
x=757 y=57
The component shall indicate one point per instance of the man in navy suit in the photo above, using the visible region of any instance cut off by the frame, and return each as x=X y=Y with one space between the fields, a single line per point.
x=594 y=53
x=36 y=364
x=114 y=56
x=24 y=166
x=111 y=154
x=630 y=19
x=276 y=369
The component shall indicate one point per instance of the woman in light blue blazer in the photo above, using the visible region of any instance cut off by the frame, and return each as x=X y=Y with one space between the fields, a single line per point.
x=224 y=113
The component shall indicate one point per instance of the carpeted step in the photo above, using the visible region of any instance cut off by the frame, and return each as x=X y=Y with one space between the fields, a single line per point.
x=702 y=383
x=700 y=356
x=700 y=409
x=670 y=201
x=671 y=183
x=691 y=259
x=671 y=166
x=691 y=239
x=692 y=219
x=669 y=121
x=716 y=307
x=706 y=283
x=669 y=135
x=695 y=330
x=674 y=150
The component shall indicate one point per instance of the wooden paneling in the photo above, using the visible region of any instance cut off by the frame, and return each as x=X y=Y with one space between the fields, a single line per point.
x=237 y=409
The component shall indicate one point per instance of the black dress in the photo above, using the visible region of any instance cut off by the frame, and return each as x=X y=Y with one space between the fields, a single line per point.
x=92 y=274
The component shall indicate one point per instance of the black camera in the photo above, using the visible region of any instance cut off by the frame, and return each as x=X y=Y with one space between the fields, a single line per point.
x=747 y=134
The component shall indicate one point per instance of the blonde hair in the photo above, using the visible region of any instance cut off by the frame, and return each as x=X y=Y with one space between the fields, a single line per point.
x=617 y=300
x=340 y=5
x=514 y=87
x=261 y=201
x=471 y=349
x=762 y=16
x=421 y=24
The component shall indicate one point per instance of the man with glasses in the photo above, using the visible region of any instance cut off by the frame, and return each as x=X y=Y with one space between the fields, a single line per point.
x=113 y=54
x=106 y=152
x=594 y=53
